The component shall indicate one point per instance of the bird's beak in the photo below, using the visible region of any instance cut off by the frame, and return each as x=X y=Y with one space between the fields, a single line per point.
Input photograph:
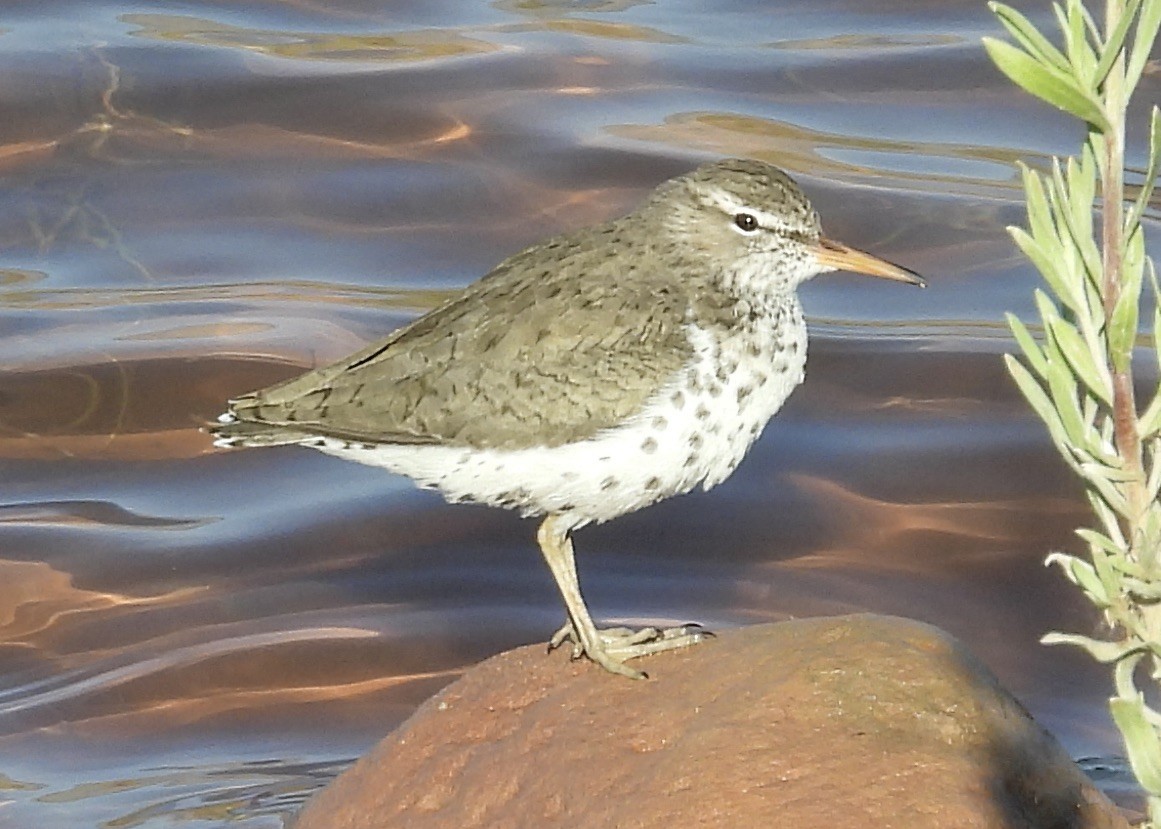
x=832 y=254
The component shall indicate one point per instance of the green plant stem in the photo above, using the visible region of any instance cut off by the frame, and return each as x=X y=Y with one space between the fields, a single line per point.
x=1125 y=431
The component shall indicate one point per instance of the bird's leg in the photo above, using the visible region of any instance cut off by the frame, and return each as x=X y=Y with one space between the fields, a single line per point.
x=609 y=648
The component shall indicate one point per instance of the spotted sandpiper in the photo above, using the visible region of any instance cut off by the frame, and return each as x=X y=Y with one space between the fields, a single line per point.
x=587 y=376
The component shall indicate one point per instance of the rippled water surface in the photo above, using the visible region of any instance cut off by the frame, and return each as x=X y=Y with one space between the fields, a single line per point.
x=202 y=198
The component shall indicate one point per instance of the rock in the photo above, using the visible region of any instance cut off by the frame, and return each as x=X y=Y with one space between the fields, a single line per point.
x=856 y=721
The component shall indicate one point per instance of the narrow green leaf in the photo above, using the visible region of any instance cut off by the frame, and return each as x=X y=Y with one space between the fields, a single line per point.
x=1063 y=390
x=1081 y=174
x=1115 y=42
x=1156 y=309
x=1088 y=26
x=1109 y=494
x=1047 y=309
x=1107 y=516
x=1124 y=673
x=1049 y=267
x=1038 y=400
x=1067 y=252
x=1100 y=651
x=1073 y=346
x=1045 y=82
x=1143 y=590
x=1028 y=345
x=1113 y=474
x=1110 y=579
x=1154 y=484
x=1093 y=31
x=1080 y=54
x=1103 y=451
x=1141 y=741
x=1150 y=422
x=1099 y=541
x=1099 y=151
x=1147 y=26
x=1040 y=222
x=1076 y=201
x=1061 y=17
x=1151 y=546
x=1150 y=180
x=1128 y=567
x=1082 y=574
x=1028 y=36
x=1122 y=330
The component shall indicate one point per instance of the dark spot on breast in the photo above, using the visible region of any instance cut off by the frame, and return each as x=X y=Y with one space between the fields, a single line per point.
x=695 y=440
x=760 y=378
x=652 y=484
x=715 y=390
x=726 y=370
x=678 y=399
x=702 y=412
x=690 y=460
x=744 y=391
x=649 y=446
x=660 y=422
x=608 y=483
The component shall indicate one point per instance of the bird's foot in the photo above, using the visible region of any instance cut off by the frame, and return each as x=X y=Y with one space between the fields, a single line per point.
x=614 y=646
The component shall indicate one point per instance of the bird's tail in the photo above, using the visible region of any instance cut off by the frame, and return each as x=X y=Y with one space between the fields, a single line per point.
x=232 y=431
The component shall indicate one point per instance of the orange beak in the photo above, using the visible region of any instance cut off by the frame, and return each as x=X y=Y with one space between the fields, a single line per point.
x=832 y=254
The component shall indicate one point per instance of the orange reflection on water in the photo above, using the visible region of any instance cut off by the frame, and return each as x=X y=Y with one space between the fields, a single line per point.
x=926 y=539
x=34 y=597
x=256 y=703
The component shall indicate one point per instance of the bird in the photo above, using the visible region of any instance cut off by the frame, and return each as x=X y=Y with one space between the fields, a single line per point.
x=588 y=376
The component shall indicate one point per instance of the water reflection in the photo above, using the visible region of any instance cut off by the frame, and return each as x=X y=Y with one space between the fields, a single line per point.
x=198 y=204
x=413 y=46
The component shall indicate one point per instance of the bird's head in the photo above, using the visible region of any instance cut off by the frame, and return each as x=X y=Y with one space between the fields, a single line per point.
x=747 y=225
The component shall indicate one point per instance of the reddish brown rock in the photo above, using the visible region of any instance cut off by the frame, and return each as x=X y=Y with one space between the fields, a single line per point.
x=857 y=721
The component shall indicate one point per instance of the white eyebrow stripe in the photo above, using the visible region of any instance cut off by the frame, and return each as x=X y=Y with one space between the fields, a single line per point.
x=732 y=206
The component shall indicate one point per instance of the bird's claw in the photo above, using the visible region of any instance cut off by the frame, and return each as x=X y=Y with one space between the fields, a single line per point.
x=616 y=645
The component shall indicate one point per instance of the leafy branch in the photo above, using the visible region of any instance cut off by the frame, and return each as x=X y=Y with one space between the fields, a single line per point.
x=1078 y=375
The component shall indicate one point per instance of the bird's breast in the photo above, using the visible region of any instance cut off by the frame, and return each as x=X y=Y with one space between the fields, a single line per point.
x=739 y=378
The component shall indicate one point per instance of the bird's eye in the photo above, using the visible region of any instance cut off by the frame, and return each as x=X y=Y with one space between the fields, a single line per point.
x=746 y=222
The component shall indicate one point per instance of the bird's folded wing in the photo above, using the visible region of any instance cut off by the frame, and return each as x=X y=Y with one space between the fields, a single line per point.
x=545 y=362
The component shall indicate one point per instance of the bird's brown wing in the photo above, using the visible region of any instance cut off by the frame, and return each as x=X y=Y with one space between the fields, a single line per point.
x=522 y=358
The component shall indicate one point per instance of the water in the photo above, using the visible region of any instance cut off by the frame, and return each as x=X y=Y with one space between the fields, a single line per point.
x=202 y=199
